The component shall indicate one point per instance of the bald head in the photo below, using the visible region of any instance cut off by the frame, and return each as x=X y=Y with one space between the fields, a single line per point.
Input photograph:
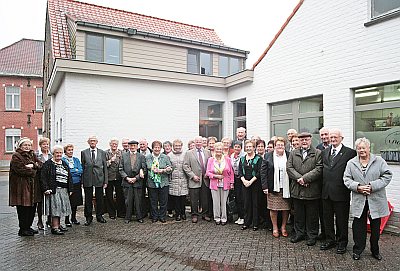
x=336 y=137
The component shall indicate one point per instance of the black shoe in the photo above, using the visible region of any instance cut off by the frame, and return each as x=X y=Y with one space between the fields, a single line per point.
x=68 y=224
x=89 y=221
x=217 y=222
x=40 y=226
x=33 y=231
x=112 y=217
x=244 y=227
x=311 y=242
x=223 y=223
x=341 y=249
x=57 y=232
x=127 y=221
x=321 y=236
x=101 y=219
x=327 y=245
x=297 y=238
x=154 y=220
x=255 y=228
x=25 y=233
x=377 y=256
x=183 y=217
x=76 y=222
x=177 y=218
x=162 y=220
x=356 y=256
x=140 y=221
x=63 y=229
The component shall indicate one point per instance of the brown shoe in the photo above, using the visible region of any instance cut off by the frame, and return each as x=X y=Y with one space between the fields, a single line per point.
x=194 y=219
x=206 y=218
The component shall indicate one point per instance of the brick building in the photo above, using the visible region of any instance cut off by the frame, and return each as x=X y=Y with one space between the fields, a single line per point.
x=21 y=87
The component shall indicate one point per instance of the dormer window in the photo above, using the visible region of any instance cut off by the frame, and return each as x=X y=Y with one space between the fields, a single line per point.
x=100 y=48
x=199 y=62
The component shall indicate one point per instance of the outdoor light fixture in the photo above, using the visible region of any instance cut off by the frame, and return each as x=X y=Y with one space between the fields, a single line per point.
x=131 y=31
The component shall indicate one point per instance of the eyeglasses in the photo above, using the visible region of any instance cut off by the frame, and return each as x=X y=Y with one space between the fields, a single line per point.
x=305 y=139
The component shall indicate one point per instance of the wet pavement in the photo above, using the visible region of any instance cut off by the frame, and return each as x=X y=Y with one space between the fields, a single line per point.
x=170 y=246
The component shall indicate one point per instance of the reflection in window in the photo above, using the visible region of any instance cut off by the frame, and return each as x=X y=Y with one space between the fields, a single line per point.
x=310 y=105
x=101 y=48
x=228 y=65
x=378 y=94
x=210 y=123
x=281 y=109
x=239 y=115
x=381 y=7
x=199 y=62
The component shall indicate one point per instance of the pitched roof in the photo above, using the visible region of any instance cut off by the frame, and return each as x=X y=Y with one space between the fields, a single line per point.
x=278 y=34
x=59 y=10
x=23 y=58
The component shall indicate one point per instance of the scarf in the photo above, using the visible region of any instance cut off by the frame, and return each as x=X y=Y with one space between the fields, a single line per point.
x=219 y=168
x=155 y=176
x=280 y=163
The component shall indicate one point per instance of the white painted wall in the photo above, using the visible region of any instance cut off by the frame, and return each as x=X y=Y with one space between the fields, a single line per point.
x=326 y=50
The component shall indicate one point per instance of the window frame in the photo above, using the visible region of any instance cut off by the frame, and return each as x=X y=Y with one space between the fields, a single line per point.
x=13 y=95
x=103 y=48
x=394 y=13
x=14 y=134
x=204 y=119
x=237 y=119
x=39 y=106
x=198 y=64
x=229 y=70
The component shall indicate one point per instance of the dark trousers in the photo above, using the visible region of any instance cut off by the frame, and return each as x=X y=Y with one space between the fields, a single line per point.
x=206 y=200
x=116 y=207
x=321 y=217
x=178 y=202
x=194 y=194
x=158 y=202
x=98 y=191
x=133 y=199
x=360 y=232
x=251 y=203
x=340 y=210
x=238 y=185
x=306 y=218
x=26 y=214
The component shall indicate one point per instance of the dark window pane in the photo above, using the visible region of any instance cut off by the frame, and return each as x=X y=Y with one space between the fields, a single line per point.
x=240 y=109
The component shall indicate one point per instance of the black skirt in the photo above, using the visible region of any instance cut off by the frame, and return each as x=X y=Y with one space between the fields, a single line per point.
x=76 y=197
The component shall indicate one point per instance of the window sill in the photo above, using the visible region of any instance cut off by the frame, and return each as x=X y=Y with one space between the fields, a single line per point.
x=383 y=18
x=13 y=110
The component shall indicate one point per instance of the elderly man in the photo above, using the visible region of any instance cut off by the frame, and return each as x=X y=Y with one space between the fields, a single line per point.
x=113 y=158
x=290 y=133
x=324 y=135
x=335 y=195
x=195 y=165
x=304 y=167
x=132 y=169
x=144 y=150
x=95 y=174
x=125 y=145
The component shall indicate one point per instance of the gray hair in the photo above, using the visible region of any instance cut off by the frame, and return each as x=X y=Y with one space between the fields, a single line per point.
x=114 y=139
x=336 y=131
x=323 y=129
x=57 y=147
x=363 y=140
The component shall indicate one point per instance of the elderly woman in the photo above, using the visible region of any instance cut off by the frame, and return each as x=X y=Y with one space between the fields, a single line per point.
x=275 y=183
x=238 y=185
x=220 y=172
x=43 y=155
x=249 y=172
x=295 y=141
x=260 y=147
x=191 y=145
x=367 y=175
x=23 y=185
x=227 y=142
x=210 y=144
x=56 y=182
x=270 y=146
x=75 y=198
x=159 y=168
x=178 y=186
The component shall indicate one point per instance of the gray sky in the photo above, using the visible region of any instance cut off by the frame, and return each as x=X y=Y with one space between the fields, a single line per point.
x=247 y=25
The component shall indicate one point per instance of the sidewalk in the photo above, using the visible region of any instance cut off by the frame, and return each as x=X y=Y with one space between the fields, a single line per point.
x=171 y=246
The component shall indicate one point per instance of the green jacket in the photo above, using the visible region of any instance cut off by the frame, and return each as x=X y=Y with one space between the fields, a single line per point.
x=164 y=162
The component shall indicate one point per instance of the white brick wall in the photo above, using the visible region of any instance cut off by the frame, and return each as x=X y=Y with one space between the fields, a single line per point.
x=326 y=50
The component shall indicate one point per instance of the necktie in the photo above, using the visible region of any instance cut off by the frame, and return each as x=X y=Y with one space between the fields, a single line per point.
x=333 y=153
x=93 y=156
x=201 y=161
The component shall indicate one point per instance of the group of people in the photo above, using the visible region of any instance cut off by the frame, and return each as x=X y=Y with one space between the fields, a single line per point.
x=268 y=182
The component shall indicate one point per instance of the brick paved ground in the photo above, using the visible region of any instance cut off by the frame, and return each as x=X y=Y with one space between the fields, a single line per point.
x=171 y=246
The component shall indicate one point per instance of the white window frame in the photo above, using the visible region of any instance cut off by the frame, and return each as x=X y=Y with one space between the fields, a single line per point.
x=15 y=134
x=39 y=99
x=104 y=48
x=198 y=63
x=386 y=13
x=14 y=96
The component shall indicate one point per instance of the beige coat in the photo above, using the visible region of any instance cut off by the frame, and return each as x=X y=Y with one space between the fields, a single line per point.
x=191 y=166
x=178 y=184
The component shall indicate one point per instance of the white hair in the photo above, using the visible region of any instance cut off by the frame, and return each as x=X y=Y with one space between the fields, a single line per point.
x=363 y=140
x=336 y=131
x=114 y=139
x=57 y=147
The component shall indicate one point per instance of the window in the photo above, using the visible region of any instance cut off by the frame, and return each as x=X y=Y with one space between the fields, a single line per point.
x=239 y=115
x=39 y=99
x=199 y=62
x=103 y=49
x=12 y=137
x=384 y=7
x=13 y=98
x=210 y=123
x=377 y=117
x=305 y=115
x=228 y=65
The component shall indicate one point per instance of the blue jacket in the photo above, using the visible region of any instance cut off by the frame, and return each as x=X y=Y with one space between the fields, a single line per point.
x=76 y=170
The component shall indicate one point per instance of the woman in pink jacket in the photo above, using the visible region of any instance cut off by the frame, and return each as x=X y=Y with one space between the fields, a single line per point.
x=220 y=172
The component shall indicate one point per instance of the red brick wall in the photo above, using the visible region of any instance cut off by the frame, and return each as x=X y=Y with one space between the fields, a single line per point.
x=19 y=118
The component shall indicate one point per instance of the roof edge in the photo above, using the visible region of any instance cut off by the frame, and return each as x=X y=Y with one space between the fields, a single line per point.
x=278 y=34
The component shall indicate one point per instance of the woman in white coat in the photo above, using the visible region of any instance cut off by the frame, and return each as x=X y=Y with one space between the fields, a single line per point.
x=367 y=175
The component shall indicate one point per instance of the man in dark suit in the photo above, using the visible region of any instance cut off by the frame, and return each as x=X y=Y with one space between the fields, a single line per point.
x=335 y=195
x=132 y=170
x=95 y=175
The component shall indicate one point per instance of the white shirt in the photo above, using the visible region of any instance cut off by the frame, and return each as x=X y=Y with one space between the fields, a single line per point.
x=338 y=148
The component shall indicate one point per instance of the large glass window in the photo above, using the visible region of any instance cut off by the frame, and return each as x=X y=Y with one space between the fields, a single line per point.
x=228 y=65
x=210 y=123
x=239 y=114
x=199 y=62
x=381 y=7
x=305 y=115
x=377 y=117
x=39 y=99
x=101 y=48
x=12 y=137
x=13 y=98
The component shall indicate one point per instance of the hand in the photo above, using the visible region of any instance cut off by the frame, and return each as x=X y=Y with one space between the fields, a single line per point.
x=232 y=186
x=265 y=191
x=48 y=192
x=29 y=166
x=300 y=181
x=113 y=158
x=364 y=189
x=168 y=169
x=141 y=174
x=196 y=178
x=105 y=186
